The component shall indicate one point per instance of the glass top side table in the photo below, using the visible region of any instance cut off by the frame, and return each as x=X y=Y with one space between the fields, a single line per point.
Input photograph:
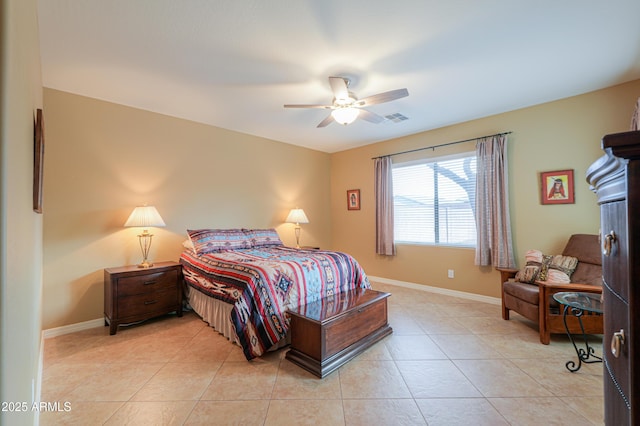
x=577 y=303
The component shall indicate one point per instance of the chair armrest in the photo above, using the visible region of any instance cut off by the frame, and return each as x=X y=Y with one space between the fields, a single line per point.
x=506 y=273
x=552 y=287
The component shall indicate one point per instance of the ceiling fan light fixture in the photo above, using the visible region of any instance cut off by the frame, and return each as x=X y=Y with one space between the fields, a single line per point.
x=346 y=107
x=345 y=115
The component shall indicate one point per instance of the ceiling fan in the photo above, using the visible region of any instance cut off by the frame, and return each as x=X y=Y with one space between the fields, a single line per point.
x=346 y=107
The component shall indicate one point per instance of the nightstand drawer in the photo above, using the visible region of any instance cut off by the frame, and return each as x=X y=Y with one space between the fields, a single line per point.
x=140 y=284
x=141 y=304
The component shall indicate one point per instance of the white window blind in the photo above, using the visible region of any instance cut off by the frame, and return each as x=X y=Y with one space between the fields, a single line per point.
x=434 y=199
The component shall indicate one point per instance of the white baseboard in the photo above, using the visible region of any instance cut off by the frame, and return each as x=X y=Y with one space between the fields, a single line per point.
x=99 y=322
x=445 y=291
x=72 y=328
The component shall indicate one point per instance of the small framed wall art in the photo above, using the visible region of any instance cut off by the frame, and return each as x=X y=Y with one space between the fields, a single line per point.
x=353 y=199
x=557 y=187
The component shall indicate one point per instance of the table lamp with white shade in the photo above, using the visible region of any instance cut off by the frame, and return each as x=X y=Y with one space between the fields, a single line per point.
x=144 y=217
x=297 y=216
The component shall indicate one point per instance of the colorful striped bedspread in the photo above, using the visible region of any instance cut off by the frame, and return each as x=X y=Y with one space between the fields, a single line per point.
x=262 y=283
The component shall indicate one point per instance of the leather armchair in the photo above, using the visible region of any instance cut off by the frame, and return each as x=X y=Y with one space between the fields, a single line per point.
x=535 y=301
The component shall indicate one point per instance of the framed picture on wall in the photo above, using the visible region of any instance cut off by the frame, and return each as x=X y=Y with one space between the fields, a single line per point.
x=38 y=160
x=353 y=199
x=557 y=187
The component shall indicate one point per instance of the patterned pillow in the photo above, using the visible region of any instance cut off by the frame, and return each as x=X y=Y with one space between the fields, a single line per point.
x=544 y=267
x=263 y=237
x=212 y=240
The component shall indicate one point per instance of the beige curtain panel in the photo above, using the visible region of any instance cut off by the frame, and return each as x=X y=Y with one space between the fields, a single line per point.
x=494 y=245
x=384 y=207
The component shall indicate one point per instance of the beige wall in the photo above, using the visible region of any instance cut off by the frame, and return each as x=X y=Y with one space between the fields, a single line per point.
x=103 y=159
x=21 y=228
x=559 y=135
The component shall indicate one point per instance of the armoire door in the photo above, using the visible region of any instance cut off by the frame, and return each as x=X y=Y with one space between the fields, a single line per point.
x=617 y=381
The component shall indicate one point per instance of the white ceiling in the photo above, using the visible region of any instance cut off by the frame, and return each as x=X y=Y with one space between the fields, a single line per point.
x=234 y=63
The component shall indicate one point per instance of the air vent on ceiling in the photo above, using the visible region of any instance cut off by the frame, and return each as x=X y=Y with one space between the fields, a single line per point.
x=396 y=118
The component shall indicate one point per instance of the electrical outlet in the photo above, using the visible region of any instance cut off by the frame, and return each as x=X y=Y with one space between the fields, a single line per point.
x=450 y=273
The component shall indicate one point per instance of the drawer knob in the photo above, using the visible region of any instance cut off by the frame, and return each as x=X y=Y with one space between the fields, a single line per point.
x=607 y=245
x=150 y=302
x=617 y=340
x=149 y=282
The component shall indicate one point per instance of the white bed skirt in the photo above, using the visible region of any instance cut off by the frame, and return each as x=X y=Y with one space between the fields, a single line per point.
x=214 y=312
x=218 y=315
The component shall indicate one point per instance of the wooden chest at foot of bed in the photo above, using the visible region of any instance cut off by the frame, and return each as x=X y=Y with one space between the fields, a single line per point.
x=328 y=333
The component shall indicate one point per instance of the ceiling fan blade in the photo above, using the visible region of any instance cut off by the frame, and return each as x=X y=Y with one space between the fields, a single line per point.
x=371 y=117
x=339 y=87
x=308 y=106
x=383 y=97
x=326 y=121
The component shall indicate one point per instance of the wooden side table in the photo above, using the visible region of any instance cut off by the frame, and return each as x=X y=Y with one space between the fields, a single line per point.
x=133 y=294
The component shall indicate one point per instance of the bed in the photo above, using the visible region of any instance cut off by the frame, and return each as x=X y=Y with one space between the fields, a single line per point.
x=242 y=282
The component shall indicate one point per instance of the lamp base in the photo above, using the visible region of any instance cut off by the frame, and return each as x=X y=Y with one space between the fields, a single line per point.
x=145 y=264
x=145 y=245
x=297 y=231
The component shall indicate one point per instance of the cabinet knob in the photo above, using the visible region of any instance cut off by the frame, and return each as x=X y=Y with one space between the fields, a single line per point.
x=617 y=340
x=607 y=245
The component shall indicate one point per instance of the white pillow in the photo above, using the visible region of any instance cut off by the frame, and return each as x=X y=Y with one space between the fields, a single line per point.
x=188 y=244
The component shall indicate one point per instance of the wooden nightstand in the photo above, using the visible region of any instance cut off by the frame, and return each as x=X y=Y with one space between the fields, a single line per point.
x=134 y=294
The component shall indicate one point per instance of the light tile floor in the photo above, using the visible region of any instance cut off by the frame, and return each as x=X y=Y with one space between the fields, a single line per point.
x=449 y=361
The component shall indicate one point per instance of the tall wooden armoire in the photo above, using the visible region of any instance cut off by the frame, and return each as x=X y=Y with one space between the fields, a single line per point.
x=615 y=178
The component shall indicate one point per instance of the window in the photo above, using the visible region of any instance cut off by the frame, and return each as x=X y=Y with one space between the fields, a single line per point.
x=434 y=201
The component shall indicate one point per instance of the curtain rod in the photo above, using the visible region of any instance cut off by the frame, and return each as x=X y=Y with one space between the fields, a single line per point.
x=441 y=145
